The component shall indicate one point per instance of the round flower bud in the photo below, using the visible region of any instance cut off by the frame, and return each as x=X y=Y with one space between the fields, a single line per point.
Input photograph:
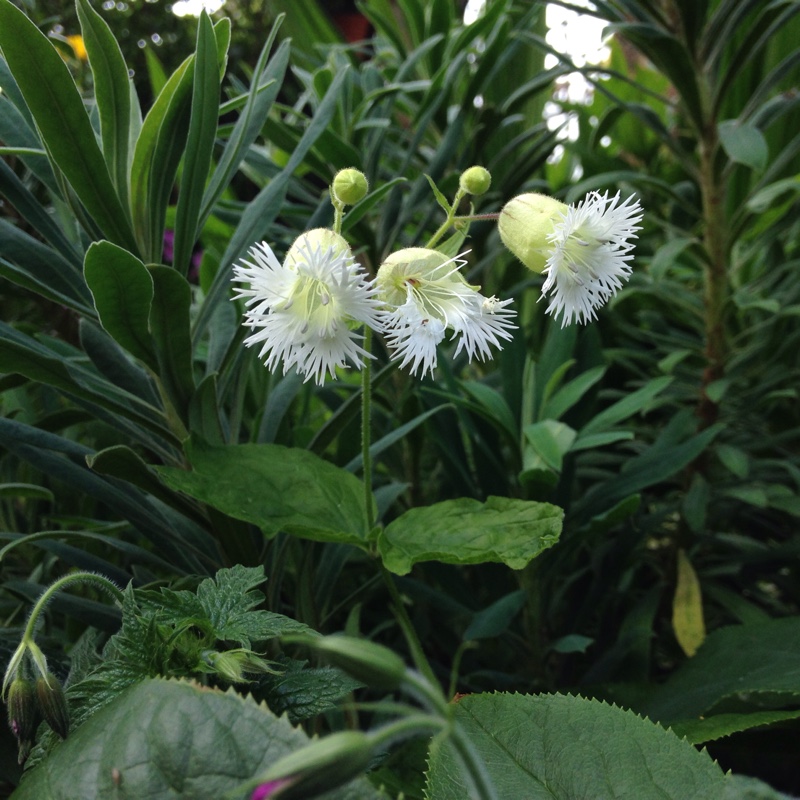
x=349 y=186
x=525 y=223
x=475 y=180
x=53 y=704
x=318 y=239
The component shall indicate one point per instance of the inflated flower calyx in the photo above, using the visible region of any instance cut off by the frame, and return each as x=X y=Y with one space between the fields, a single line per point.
x=349 y=186
x=53 y=704
x=23 y=714
x=368 y=662
x=475 y=180
x=320 y=767
x=525 y=223
x=318 y=239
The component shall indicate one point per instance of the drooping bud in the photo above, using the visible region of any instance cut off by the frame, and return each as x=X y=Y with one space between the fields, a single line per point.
x=322 y=766
x=53 y=704
x=349 y=186
x=318 y=239
x=368 y=662
x=23 y=714
x=475 y=180
x=525 y=223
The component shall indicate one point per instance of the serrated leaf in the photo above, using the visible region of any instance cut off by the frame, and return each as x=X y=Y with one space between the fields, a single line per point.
x=175 y=739
x=763 y=657
x=687 y=607
x=541 y=747
x=277 y=488
x=466 y=531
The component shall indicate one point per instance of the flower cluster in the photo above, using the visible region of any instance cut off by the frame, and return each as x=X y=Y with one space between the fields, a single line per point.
x=308 y=312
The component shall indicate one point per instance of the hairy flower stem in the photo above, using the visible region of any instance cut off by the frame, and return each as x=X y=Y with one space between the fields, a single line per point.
x=366 y=429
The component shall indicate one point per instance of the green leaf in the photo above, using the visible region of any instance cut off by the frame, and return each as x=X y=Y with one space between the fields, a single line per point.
x=112 y=92
x=277 y=488
x=546 y=747
x=169 y=324
x=26 y=491
x=466 y=531
x=688 y=622
x=763 y=657
x=57 y=107
x=123 y=296
x=155 y=160
x=200 y=143
x=744 y=143
x=708 y=729
x=495 y=619
x=631 y=404
x=163 y=738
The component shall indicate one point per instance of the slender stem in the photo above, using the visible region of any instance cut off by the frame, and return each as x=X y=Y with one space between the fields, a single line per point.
x=405 y=728
x=338 y=214
x=62 y=583
x=366 y=430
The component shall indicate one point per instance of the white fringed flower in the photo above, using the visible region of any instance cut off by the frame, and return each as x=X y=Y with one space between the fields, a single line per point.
x=583 y=250
x=305 y=312
x=425 y=294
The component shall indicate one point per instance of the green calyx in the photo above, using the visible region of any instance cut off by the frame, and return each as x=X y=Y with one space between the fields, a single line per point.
x=525 y=223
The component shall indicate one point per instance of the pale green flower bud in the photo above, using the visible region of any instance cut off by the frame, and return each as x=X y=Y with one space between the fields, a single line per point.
x=318 y=239
x=320 y=767
x=525 y=223
x=23 y=714
x=53 y=704
x=368 y=662
x=475 y=180
x=349 y=186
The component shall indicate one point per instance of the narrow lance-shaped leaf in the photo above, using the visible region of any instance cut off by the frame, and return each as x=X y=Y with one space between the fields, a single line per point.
x=56 y=105
x=112 y=92
x=202 y=130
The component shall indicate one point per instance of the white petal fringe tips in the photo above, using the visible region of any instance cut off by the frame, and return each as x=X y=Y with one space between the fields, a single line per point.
x=582 y=250
x=425 y=294
x=590 y=255
x=306 y=312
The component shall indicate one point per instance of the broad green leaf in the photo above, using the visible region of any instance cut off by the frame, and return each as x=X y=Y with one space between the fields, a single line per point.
x=277 y=488
x=687 y=607
x=466 y=531
x=166 y=738
x=200 y=143
x=112 y=92
x=57 y=107
x=169 y=325
x=557 y=747
x=708 y=729
x=744 y=143
x=123 y=296
x=763 y=657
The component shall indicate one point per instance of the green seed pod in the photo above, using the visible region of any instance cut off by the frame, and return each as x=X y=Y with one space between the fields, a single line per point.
x=525 y=223
x=475 y=180
x=53 y=704
x=23 y=712
x=368 y=662
x=349 y=186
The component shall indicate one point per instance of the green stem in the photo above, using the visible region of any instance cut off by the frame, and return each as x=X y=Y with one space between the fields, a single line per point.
x=405 y=728
x=366 y=431
x=451 y=216
x=62 y=583
x=338 y=215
